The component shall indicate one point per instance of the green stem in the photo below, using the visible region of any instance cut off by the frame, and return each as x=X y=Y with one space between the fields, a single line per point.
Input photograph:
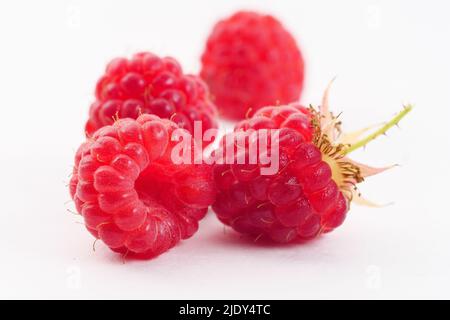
x=394 y=121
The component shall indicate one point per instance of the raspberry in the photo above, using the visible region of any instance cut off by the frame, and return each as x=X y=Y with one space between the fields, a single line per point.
x=149 y=84
x=250 y=61
x=132 y=195
x=310 y=194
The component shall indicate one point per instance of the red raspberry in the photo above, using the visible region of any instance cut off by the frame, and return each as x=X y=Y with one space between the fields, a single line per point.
x=310 y=193
x=251 y=61
x=149 y=84
x=132 y=195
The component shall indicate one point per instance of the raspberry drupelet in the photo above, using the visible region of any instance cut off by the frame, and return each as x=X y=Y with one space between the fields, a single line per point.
x=131 y=194
x=149 y=84
x=251 y=61
x=311 y=192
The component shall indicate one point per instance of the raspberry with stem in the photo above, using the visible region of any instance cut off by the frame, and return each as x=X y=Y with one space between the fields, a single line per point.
x=316 y=182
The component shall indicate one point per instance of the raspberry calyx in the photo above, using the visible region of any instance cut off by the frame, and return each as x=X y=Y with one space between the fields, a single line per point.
x=346 y=172
x=336 y=146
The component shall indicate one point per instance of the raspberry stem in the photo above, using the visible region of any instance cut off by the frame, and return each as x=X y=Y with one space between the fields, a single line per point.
x=394 y=121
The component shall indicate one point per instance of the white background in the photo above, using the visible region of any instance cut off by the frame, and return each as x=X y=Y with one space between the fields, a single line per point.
x=384 y=53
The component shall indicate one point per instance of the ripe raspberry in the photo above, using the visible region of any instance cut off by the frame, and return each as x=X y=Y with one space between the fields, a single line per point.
x=149 y=84
x=310 y=193
x=251 y=61
x=131 y=194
